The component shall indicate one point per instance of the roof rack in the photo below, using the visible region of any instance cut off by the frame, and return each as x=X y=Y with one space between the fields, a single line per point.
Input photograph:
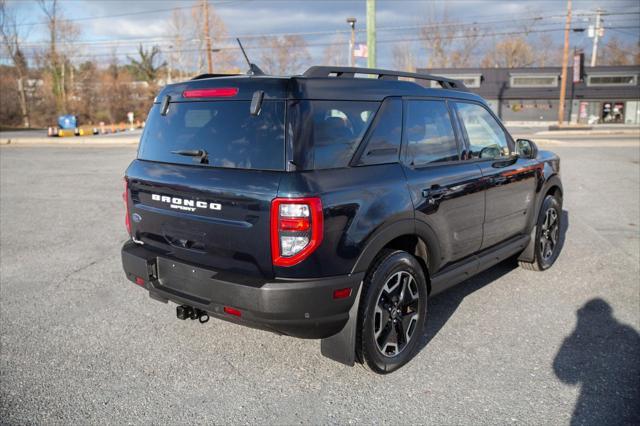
x=350 y=72
x=202 y=76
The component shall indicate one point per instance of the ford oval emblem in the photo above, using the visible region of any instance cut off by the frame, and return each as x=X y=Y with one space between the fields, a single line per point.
x=136 y=217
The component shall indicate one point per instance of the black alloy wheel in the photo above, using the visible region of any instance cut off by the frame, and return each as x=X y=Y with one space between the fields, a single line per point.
x=392 y=311
x=548 y=235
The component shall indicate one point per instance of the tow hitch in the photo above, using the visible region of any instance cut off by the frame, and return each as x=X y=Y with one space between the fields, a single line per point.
x=187 y=312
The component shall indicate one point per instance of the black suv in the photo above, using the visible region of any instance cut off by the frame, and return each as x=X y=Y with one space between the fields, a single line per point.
x=329 y=206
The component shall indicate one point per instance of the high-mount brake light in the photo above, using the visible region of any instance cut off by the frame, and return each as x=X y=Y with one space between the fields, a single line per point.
x=296 y=229
x=218 y=92
x=125 y=196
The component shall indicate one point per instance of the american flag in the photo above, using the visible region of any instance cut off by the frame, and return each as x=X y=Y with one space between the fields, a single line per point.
x=361 y=51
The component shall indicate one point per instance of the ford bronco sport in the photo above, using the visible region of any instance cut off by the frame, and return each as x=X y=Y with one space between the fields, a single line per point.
x=329 y=206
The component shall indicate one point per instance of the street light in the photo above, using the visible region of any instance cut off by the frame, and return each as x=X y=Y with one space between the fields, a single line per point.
x=352 y=42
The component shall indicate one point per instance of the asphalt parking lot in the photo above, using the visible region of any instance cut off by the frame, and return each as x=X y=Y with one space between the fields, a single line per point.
x=82 y=345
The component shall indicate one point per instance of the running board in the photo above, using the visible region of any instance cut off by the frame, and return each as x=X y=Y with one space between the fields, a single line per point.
x=466 y=268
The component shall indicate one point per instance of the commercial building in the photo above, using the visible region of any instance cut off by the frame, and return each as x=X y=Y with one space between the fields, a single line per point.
x=607 y=94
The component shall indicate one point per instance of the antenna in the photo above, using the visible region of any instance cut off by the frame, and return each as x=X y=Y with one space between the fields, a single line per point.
x=243 y=52
x=253 y=68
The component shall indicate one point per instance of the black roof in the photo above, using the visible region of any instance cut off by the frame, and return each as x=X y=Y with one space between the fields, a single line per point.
x=317 y=83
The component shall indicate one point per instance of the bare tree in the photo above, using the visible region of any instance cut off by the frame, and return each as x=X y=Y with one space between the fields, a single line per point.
x=284 y=55
x=223 y=59
x=86 y=105
x=404 y=57
x=179 y=56
x=547 y=53
x=62 y=34
x=11 y=38
x=438 y=34
x=510 y=52
x=120 y=94
x=448 y=43
x=468 y=40
x=616 y=52
x=336 y=53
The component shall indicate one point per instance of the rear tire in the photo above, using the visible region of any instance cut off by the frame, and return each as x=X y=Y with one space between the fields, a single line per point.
x=392 y=312
x=547 y=245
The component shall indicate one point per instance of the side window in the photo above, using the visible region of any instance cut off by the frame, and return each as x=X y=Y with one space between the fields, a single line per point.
x=486 y=137
x=428 y=133
x=383 y=144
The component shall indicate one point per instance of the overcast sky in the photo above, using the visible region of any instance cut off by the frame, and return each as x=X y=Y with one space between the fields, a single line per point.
x=125 y=23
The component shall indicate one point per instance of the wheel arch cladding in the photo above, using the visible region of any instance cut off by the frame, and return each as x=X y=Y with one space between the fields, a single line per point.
x=553 y=186
x=420 y=242
x=556 y=191
x=415 y=246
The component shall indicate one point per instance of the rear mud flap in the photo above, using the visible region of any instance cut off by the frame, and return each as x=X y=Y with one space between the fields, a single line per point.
x=341 y=347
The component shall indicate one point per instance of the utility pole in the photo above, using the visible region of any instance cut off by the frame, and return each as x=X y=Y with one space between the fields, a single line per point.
x=207 y=35
x=596 y=38
x=352 y=41
x=565 y=61
x=371 y=33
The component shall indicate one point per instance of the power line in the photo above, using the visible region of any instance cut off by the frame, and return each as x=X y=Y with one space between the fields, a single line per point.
x=120 y=15
x=623 y=32
x=534 y=19
x=319 y=44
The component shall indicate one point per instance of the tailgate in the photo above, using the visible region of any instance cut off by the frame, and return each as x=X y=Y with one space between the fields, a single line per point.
x=213 y=217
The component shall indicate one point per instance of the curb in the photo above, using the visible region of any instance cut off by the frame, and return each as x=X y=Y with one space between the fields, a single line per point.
x=82 y=141
x=585 y=144
x=631 y=132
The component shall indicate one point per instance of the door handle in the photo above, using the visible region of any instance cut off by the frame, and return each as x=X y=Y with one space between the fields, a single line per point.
x=498 y=180
x=505 y=162
x=433 y=194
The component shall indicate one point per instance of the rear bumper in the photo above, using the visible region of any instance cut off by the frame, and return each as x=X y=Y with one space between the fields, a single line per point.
x=300 y=308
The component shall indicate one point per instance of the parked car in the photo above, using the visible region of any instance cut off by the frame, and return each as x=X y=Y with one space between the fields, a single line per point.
x=329 y=206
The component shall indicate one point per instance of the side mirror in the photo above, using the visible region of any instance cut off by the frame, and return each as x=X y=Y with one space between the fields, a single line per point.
x=526 y=148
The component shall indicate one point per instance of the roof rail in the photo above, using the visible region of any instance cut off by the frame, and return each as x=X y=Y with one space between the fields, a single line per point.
x=202 y=76
x=349 y=72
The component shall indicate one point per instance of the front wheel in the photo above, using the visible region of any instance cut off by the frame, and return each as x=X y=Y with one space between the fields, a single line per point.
x=392 y=311
x=547 y=237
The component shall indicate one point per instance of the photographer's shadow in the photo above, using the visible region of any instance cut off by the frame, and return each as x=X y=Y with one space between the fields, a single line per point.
x=602 y=356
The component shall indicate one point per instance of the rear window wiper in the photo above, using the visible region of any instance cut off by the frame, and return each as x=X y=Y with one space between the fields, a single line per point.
x=199 y=154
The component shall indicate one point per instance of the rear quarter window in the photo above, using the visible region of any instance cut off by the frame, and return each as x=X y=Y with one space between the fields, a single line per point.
x=383 y=142
x=326 y=134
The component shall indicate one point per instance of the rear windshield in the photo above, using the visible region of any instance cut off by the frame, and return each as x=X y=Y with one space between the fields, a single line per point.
x=326 y=134
x=225 y=130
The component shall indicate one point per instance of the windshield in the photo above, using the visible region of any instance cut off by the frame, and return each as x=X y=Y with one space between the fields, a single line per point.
x=225 y=130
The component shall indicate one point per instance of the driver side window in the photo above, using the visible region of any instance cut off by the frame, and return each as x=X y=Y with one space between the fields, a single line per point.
x=486 y=137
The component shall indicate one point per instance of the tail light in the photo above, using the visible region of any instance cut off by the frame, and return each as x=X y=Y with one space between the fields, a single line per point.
x=296 y=229
x=125 y=197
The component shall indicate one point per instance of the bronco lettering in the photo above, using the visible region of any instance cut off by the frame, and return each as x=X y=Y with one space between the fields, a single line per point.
x=184 y=204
